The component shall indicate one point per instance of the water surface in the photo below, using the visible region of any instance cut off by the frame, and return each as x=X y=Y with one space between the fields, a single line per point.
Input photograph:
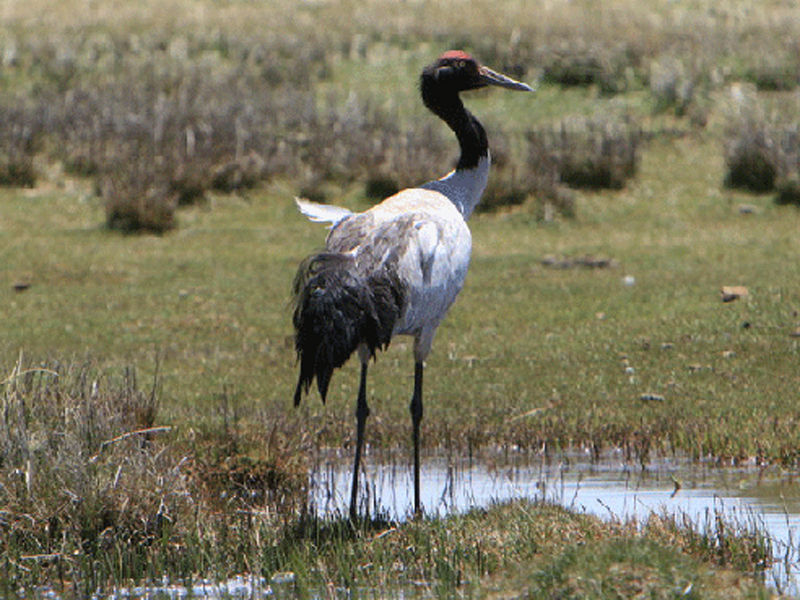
x=764 y=499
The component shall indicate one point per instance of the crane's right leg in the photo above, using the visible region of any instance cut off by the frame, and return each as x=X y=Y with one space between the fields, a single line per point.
x=362 y=412
x=416 y=418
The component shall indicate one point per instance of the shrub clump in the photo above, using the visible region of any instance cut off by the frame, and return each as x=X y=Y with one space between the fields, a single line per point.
x=134 y=205
x=774 y=71
x=162 y=123
x=358 y=141
x=575 y=63
x=751 y=154
x=788 y=188
x=18 y=135
x=751 y=159
x=17 y=171
x=155 y=144
x=762 y=152
x=590 y=152
x=673 y=85
x=534 y=175
x=578 y=152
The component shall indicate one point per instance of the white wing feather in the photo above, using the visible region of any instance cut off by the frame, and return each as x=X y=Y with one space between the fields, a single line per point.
x=322 y=213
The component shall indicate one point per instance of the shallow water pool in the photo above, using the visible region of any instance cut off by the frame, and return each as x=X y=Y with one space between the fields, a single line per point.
x=764 y=499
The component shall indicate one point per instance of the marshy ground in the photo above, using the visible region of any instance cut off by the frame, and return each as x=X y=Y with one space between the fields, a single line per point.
x=146 y=377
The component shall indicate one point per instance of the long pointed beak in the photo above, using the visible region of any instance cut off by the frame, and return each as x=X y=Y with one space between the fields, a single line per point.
x=490 y=77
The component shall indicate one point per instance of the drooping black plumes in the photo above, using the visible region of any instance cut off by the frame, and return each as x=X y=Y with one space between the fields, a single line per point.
x=337 y=308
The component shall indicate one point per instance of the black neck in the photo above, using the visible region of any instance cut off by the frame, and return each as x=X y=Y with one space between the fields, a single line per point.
x=445 y=103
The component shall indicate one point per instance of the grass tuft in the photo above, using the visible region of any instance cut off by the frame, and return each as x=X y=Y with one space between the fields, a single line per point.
x=94 y=491
x=788 y=189
x=761 y=147
x=19 y=132
x=133 y=204
x=751 y=158
x=589 y=153
x=534 y=549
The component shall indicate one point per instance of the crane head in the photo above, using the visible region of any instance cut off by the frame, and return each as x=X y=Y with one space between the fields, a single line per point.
x=459 y=71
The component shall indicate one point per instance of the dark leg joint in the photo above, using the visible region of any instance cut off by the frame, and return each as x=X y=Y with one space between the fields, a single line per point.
x=416 y=411
x=362 y=410
x=416 y=400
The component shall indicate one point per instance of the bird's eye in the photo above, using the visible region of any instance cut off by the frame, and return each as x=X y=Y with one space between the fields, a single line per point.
x=461 y=64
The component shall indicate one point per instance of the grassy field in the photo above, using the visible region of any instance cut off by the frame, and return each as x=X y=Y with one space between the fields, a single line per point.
x=540 y=353
x=566 y=352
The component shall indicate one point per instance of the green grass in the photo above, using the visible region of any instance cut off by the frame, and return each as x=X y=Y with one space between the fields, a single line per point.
x=518 y=549
x=211 y=300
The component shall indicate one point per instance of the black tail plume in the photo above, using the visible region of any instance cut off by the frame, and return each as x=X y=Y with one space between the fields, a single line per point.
x=336 y=310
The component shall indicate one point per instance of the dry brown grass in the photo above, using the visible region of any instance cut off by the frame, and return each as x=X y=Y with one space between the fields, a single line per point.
x=96 y=490
x=162 y=103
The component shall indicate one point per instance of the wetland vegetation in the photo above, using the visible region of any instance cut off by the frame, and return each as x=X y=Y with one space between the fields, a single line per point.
x=146 y=425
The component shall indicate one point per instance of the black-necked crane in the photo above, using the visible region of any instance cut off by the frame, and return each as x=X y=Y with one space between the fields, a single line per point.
x=396 y=268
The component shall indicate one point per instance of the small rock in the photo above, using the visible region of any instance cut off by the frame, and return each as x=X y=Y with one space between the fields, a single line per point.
x=747 y=209
x=651 y=398
x=588 y=261
x=550 y=261
x=21 y=286
x=733 y=292
x=629 y=280
x=593 y=262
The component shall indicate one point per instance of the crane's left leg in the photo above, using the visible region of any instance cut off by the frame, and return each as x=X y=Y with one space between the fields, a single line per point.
x=422 y=347
x=362 y=412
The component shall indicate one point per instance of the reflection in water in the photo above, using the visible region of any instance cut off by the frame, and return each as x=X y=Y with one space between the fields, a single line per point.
x=241 y=586
x=766 y=498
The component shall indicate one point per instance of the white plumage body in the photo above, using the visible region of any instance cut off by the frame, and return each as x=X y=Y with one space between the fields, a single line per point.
x=425 y=231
